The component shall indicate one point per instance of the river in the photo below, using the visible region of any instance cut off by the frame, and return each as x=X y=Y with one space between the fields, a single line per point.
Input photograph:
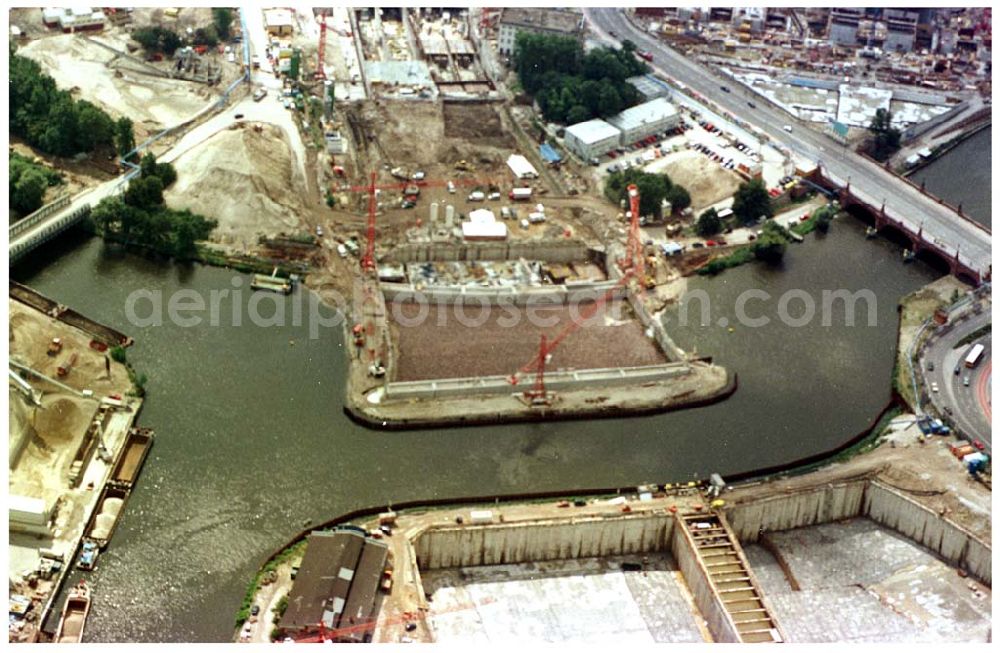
x=963 y=176
x=252 y=441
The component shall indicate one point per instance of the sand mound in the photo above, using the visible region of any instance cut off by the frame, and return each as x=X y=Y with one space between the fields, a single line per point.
x=243 y=179
x=59 y=420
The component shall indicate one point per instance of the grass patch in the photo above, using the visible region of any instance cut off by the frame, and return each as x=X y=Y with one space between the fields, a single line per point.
x=735 y=259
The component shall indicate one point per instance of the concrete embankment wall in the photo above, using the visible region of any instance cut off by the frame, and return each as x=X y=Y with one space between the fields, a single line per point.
x=483 y=385
x=652 y=323
x=511 y=296
x=556 y=252
x=709 y=602
x=958 y=546
x=492 y=544
x=864 y=498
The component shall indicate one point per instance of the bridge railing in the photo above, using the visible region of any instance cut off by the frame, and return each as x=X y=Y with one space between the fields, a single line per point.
x=32 y=219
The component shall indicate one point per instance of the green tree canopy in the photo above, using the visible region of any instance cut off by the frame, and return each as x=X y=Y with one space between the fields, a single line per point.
x=752 y=202
x=28 y=191
x=709 y=223
x=222 y=19
x=561 y=77
x=157 y=39
x=885 y=137
x=124 y=136
x=653 y=189
x=770 y=245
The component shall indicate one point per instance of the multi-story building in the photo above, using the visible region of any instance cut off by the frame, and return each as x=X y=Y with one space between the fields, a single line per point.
x=645 y=120
x=557 y=22
x=592 y=138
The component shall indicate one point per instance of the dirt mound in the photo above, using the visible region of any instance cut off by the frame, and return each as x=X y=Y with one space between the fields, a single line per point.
x=59 y=420
x=243 y=179
x=704 y=179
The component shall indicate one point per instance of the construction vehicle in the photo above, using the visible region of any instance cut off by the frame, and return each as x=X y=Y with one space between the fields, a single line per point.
x=930 y=426
x=67 y=365
x=55 y=346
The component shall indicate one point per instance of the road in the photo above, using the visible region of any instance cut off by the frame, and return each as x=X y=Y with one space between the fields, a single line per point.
x=869 y=182
x=970 y=405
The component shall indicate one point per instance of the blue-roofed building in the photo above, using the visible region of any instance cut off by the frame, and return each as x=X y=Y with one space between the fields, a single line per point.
x=549 y=153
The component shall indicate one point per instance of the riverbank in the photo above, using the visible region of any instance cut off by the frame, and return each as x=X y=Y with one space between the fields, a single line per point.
x=915 y=310
x=940 y=150
x=703 y=384
x=70 y=413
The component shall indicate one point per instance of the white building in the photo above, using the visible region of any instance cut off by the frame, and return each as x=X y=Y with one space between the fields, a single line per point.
x=592 y=138
x=521 y=167
x=278 y=22
x=483 y=225
x=645 y=119
x=557 y=22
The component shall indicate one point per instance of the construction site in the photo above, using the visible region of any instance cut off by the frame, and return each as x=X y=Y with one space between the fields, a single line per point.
x=72 y=408
x=889 y=546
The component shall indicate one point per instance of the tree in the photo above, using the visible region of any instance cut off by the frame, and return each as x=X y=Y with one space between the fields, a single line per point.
x=206 y=36
x=678 y=197
x=144 y=193
x=124 y=137
x=886 y=138
x=823 y=217
x=653 y=189
x=709 y=223
x=157 y=39
x=752 y=202
x=28 y=191
x=578 y=113
x=770 y=245
x=93 y=127
x=222 y=19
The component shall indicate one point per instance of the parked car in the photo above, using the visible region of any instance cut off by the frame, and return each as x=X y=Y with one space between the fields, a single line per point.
x=697 y=245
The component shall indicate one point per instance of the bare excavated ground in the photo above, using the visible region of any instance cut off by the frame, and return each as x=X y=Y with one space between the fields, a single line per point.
x=81 y=67
x=244 y=179
x=476 y=123
x=448 y=343
x=704 y=179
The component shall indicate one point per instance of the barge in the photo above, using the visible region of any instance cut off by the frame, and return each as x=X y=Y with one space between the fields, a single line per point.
x=272 y=282
x=133 y=455
x=74 y=616
x=109 y=510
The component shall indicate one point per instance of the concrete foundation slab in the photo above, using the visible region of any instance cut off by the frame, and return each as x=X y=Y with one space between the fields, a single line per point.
x=863 y=583
x=587 y=600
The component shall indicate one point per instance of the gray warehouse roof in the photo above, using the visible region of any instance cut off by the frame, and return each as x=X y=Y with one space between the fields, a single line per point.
x=592 y=131
x=554 y=20
x=644 y=113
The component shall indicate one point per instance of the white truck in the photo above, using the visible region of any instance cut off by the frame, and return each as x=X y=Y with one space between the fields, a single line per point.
x=477 y=196
x=520 y=194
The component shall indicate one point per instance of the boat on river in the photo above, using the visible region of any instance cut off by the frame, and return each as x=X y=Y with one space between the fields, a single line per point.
x=74 y=615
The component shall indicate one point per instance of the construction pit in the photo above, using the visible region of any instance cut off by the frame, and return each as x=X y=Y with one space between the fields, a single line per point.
x=892 y=545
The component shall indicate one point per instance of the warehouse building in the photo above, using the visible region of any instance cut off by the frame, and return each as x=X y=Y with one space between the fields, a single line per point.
x=337 y=586
x=592 y=138
x=556 y=22
x=645 y=120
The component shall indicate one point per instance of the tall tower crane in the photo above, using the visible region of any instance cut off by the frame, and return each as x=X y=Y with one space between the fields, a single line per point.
x=321 y=50
x=633 y=266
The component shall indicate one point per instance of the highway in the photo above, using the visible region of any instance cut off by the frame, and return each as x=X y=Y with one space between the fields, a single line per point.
x=969 y=404
x=869 y=182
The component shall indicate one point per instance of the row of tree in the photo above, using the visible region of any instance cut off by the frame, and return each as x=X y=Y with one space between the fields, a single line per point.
x=571 y=86
x=51 y=120
x=27 y=182
x=140 y=216
x=156 y=38
x=653 y=190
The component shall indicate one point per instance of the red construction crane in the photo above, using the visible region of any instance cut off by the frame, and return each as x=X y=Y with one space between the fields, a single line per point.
x=368 y=260
x=633 y=266
x=635 y=258
x=320 y=73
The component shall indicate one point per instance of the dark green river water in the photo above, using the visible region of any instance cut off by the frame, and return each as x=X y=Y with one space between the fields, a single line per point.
x=252 y=441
